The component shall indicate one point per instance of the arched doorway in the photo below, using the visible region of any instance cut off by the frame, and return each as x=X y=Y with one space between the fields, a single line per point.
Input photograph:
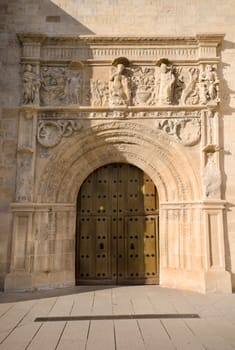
x=117 y=227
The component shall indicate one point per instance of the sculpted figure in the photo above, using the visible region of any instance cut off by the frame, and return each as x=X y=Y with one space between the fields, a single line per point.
x=209 y=85
x=75 y=88
x=120 y=91
x=31 y=84
x=166 y=82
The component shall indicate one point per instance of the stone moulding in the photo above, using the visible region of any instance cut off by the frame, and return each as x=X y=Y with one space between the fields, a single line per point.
x=196 y=47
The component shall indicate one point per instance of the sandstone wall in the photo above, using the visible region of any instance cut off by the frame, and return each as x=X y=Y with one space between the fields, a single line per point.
x=142 y=17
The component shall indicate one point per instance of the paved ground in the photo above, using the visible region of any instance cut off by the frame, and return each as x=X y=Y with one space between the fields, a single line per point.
x=214 y=330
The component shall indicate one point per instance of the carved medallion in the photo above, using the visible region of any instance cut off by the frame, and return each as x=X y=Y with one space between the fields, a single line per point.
x=50 y=132
x=185 y=131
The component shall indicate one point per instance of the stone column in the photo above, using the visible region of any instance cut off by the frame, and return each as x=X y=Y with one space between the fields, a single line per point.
x=217 y=279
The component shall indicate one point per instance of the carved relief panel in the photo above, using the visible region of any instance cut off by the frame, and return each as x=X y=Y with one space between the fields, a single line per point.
x=162 y=83
x=60 y=86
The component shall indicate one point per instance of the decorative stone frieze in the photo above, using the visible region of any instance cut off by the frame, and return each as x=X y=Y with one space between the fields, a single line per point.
x=138 y=85
x=62 y=71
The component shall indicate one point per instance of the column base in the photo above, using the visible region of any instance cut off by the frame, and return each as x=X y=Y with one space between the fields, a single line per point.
x=197 y=281
x=18 y=281
x=218 y=282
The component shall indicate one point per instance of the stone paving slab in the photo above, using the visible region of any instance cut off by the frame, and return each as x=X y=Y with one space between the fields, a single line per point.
x=214 y=330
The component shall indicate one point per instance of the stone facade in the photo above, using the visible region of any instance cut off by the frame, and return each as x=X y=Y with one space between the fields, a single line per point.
x=73 y=103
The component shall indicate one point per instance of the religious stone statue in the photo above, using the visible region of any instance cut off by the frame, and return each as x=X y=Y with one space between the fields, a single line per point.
x=75 y=88
x=209 y=85
x=165 y=82
x=31 y=84
x=120 y=90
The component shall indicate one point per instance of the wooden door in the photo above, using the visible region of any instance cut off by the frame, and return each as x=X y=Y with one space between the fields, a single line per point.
x=117 y=227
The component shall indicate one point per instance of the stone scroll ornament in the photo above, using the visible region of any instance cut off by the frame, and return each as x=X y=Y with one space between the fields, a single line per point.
x=50 y=132
x=185 y=131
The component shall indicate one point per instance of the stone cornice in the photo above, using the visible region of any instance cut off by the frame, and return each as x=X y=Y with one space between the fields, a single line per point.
x=39 y=46
x=208 y=38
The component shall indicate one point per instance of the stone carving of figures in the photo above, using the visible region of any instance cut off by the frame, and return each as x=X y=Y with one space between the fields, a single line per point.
x=120 y=90
x=190 y=92
x=31 y=84
x=209 y=85
x=55 y=86
x=166 y=82
x=99 y=93
x=75 y=88
x=211 y=178
x=61 y=90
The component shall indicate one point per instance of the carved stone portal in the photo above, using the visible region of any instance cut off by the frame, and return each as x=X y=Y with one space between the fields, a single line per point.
x=89 y=101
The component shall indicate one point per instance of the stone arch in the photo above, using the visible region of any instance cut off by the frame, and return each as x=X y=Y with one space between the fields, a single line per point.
x=120 y=141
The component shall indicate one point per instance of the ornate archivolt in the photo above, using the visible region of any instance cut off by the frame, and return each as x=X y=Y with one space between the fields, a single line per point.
x=152 y=102
x=118 y=141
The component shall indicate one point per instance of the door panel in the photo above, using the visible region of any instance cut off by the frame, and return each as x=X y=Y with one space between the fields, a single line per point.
x=117 y=238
